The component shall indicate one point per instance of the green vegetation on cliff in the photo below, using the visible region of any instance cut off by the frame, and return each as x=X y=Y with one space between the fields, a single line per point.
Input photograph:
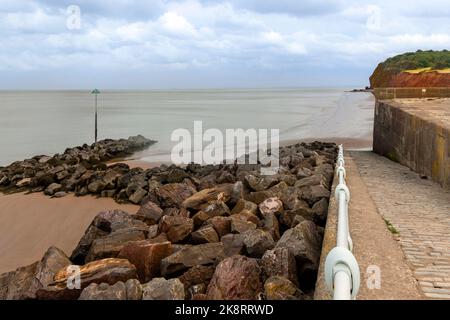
x=435 y=60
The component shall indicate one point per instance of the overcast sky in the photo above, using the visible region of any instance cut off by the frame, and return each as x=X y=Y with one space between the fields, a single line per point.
x=206 y=43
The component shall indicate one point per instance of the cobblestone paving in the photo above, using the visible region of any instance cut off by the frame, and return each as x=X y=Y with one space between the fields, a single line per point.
x=419 y=209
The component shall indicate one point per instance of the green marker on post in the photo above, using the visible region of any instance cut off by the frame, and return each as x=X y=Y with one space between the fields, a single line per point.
x=95 y=92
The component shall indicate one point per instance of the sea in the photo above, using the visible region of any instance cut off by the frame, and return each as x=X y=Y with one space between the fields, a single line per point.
x=47 y=122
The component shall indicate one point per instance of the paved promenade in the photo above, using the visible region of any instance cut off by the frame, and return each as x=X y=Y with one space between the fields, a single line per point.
x=419 y=210
x=374 y=247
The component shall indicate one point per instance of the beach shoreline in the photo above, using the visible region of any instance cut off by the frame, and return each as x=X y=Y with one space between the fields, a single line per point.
x=31 y=223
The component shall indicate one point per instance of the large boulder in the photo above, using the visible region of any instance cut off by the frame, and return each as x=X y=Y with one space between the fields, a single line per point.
x=271 y=205
x=280 y=288
x=233 y=244
x=257 y=242
x=177 y=228
x=304 y=241
x=151 y=212
x=187 y=257
x=271 y=224
x=138 y=195
x=96 y=186
x=227 y=192
x=240 y=225
x=197 y=275
x=130 y=290
x=102 y=225
x=52 y=189
x=110 y=245
x=65 y=286
x=320 y=211
x=162 y=289
x=222 y=225
x=280 y=262
x=260 y=183
x=173 y=194
x=276 y=191
x=312 y=194
x=314 y=180
x=205 y=234
x=26 y=281
x=242 y=205
x=235 y=278
x=214 y=209
x=146 y=255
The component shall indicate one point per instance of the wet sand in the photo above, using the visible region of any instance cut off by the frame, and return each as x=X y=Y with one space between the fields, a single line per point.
x=29 y=224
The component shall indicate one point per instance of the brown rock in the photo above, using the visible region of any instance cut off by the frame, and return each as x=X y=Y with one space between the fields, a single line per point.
x=233 y=244
x=222 y=225
x=301 y=209
x=26 y=281
x=109 y=271
x=235 y=278
x=272 y=226
x=280 y=262
x=246 y=216
x=146 y=256
x=276 y=191
x=315 y=179
x=151 y=212
x=162 y=289
x=23 y=183
x=227 y=192
x=131 y=290
x=176 y=228
x=242 y=205
x=196 y=290
x=257 y=242
x=271 y=205
x=304 y=241
x=110 y=245
x=280 y=288
x=260 y=183
x=138 y=196
x=312 y=194
x=240 y=226
x=173 y=194
x=187 y=257
x=213 y=209
x=320 y=211
x=104 y=223
x=152 y=231
x=52 y=189
x=205 y=234
x=197 y=275
x=181 y=212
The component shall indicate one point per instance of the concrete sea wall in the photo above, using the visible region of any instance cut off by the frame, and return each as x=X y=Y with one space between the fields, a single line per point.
x=415 y=133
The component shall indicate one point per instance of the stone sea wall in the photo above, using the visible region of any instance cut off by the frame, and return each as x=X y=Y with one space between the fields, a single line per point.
x=415 y=134
x=202 y=232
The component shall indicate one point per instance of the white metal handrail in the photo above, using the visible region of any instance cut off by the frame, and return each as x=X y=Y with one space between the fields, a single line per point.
x=341 y=268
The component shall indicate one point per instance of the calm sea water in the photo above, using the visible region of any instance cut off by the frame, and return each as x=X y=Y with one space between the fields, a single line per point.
x=46 y=122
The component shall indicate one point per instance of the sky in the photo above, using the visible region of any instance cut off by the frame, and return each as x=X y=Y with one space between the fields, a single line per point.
x=157 y=44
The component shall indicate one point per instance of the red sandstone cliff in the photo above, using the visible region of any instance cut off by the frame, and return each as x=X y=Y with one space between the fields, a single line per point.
x=413 y=69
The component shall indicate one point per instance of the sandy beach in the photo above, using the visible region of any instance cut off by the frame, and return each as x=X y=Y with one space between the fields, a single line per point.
x=29 y=224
